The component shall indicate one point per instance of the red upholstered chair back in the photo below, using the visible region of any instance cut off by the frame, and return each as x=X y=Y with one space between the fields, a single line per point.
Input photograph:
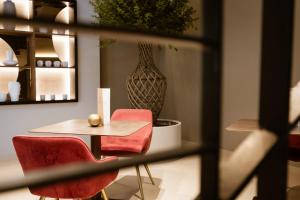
x=132 y=115
x=42 y=152
x=144 y=135
x=294 y=147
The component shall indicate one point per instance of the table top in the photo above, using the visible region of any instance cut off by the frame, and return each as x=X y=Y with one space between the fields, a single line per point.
x=81 y=127
x=249 y=125
x=243 y=125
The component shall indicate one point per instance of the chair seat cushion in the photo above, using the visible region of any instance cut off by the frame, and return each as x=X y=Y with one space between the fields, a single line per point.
x=294 y=141
x=136 y=143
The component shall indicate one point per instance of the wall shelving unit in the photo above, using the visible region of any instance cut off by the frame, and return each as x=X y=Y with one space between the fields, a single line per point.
x=31 y=45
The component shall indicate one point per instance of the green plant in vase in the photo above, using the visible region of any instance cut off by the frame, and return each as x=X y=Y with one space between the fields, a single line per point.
x=146 y=86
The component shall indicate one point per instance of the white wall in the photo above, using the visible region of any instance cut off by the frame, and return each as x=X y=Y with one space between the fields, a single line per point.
x=241 y=64
x=242 y=49
x=16 y=120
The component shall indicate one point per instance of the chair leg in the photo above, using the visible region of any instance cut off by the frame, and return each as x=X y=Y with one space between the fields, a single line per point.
x=149 y=173
x=42 y=198
x=140 y=182
x=104 y=195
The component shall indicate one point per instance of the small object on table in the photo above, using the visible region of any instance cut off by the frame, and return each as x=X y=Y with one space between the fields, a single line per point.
x=52 y=97
x=104 y=104
x=95 y=120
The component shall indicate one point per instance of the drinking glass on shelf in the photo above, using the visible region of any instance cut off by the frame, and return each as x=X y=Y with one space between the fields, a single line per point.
x=43 y=97
x=65 y=97
x=3 y=97
x=56 y=63
x=40 y=63
x=48 y=63
x=64 y=64
x=52 y=97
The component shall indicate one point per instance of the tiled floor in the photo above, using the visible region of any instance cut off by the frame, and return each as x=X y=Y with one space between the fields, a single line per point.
x=175 y=180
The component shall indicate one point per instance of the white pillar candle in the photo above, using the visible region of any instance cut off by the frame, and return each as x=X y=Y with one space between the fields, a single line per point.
x=104 y=104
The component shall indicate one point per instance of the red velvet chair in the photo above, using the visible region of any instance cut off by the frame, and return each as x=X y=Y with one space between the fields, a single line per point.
x=294 y=148
x=42 y=152
x=135 y=144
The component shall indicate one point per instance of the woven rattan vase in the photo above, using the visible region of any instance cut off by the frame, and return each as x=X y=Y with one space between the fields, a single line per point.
x=146 y=86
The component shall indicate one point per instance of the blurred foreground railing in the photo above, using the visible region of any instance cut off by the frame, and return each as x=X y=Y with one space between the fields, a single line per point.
x=120 y=33
x=74 y=171
x=264 y=153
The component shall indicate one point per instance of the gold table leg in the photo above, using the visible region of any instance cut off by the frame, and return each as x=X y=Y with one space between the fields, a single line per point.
x=96 y=146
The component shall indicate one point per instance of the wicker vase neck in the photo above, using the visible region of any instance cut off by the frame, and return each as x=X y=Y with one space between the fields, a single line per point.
x=146 y=85
x=145 y=55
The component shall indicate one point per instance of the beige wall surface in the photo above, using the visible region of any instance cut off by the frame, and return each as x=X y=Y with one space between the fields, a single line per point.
x=296 y=50
x=182 y=70
x=242 y=48
x=241 y=62
x=241 y=73
x=16 y=120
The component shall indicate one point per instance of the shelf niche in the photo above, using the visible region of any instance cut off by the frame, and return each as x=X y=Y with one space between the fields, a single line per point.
x=41 y=44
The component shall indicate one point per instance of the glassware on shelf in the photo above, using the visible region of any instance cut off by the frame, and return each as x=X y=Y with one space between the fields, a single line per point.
x=10 y=58
x=40 y=63
x=48 y=63
x=9 y=9
x=65 y=97
x=64 y=64
x=14 y=89
x=43 y=97
x=57 y=63
x=43 y=30
x=3 y=97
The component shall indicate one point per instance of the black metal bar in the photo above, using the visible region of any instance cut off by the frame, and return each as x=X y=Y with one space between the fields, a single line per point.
x=211 y=107
x=274 y=94
x=74 y=2
x=52 y=175
x=119 y=33
x=294 y=123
